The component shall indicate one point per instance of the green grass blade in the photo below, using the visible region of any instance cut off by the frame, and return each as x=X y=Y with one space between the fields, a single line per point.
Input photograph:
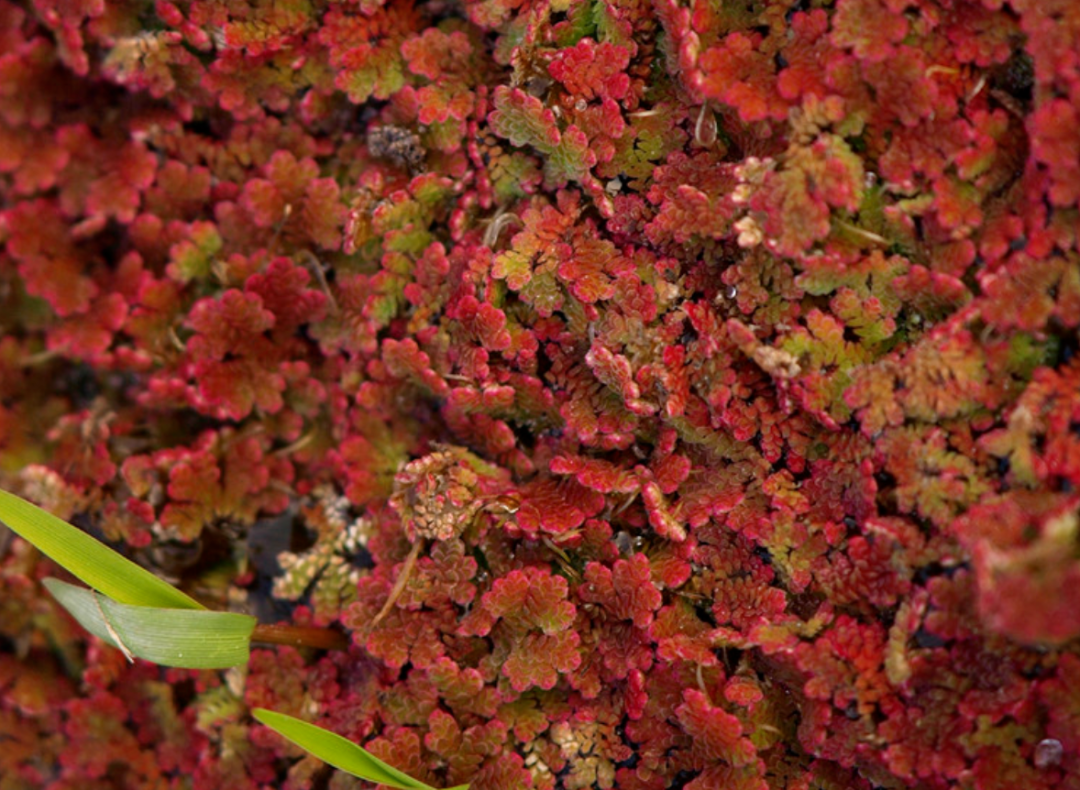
x=337 y=751
x=193 y=639
x=89 y=559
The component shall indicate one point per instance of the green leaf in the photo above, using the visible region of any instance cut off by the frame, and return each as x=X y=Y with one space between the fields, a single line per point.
x=339 y=752
x=193 y=639
x=89 y=559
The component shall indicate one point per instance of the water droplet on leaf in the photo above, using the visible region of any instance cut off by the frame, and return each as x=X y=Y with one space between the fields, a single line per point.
x=1048 y=753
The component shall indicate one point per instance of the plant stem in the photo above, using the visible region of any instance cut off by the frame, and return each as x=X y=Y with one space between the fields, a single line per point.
x=300 y=636
x=399 y=585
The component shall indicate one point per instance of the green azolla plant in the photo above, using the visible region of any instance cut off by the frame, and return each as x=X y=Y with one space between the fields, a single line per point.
x=146 y=617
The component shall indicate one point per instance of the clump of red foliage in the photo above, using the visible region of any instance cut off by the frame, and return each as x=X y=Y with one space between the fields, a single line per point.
x=739 y=340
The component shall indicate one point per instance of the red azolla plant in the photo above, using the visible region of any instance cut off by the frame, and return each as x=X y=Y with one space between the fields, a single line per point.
x=660 y=395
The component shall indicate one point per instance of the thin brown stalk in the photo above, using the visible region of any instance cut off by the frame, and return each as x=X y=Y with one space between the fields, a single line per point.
x=300 y=636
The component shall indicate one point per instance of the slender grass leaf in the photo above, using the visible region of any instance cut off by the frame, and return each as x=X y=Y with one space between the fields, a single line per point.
x=192 y=639
x=338 y=752
x=90 y=560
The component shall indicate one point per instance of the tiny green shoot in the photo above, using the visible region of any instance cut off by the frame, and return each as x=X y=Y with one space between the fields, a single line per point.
x=338 y=751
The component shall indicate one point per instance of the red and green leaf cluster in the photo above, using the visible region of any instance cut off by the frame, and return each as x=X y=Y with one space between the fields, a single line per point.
x=719 y=360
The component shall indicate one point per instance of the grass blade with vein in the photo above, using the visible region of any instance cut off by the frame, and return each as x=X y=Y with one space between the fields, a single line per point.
x=337 y=751
x=90 y=560
x=193 y=639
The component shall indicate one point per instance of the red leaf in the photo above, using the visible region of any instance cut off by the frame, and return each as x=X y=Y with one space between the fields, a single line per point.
x=869 y=27
x=49 y=263
x=323 y=214
x=227 y=325
x=531 y=598
x=434 y=53
x=539 y=659
x=91 y=333
x=717 y=734
x=591 y=269
x=1054 y=143
x=741 y=74
x=237 y=386
x=522 y=119
x=596 y=474
x=553 y=507
x=1028 y=585
x=128 y=172
x=592 y=70
x=365 y=49
x=680 y=634
x=626 y=591
x=281 y=290
x=235 y=364
x=483 y=320
x=901 y=87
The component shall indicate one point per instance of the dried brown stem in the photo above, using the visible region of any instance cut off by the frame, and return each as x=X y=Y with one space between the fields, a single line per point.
x=399 y=586
x=316 y=266
x=300 y=636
